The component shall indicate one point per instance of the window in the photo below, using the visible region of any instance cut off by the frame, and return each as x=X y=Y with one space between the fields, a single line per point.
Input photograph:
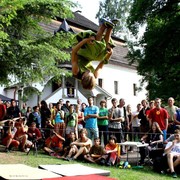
x=134 y=89
x=100 y=82
x=115 y=87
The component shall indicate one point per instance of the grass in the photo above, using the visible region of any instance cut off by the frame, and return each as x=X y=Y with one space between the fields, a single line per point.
x=16 y=157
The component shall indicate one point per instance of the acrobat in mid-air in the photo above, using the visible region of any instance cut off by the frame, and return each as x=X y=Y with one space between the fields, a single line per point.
x=90 y=46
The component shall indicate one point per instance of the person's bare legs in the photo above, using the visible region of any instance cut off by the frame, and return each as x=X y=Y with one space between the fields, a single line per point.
x=108 y=34
x=176 y=162
x=82 y=150
x=100 y=32
x=9 y=141
x=170 y=162
x=72 y=151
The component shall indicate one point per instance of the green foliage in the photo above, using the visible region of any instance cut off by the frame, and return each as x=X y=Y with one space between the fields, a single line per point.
x=28 y=52
x=158 y=52
x=115 y=9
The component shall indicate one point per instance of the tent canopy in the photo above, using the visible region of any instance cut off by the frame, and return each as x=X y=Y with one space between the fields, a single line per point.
x=4 y=98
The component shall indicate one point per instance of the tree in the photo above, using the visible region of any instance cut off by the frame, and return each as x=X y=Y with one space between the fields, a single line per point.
x=157 y=53
x=28 y=53
x=115 y=9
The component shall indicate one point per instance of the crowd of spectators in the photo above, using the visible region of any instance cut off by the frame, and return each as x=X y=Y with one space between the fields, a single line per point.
x=92 y=132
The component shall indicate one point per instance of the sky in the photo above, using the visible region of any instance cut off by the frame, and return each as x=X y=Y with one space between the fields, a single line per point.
x=89 y=8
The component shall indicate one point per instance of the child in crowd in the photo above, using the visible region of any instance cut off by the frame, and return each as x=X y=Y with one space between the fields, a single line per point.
x=111 y=152
x=90 y=46
x=96 y=152
x=54 y=144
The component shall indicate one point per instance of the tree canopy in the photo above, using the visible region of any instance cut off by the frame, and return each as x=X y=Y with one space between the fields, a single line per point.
x=28 y=52
x=157 y=53
x=118 y=9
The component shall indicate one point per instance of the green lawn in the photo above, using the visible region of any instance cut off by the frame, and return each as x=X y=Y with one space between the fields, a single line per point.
x=122 y=174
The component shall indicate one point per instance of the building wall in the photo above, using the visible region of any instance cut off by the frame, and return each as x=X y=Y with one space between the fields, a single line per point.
x=125 y=77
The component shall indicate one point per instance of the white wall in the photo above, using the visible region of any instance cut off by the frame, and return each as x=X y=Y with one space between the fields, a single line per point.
x=126 y=78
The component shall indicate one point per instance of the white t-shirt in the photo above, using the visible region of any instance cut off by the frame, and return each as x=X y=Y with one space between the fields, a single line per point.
x=135 y=120
x=175 y=149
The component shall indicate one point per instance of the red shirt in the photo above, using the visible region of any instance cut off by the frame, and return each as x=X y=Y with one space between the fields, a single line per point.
x=2 y=111
x=159 y=116
x=36 y=131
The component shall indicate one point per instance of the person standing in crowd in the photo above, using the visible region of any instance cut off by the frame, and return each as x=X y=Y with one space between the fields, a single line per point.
x=13 y=111
x=136 y=123
x=115 y=120
x=171 y=109
x=103 y=122
x=83 y=106
x=59 y=126
x=90 y=116
x=2 y=110
x=80 y=114
x=130 y=135
x=144 y=127
x=125 y=123
x=79 y=102
x=66 y=107
x=45 y=114
x=52 y=108
x=159 y=115
x=35 y=117
x=29 y=111
x=151 y=106
x=71 y=121
x=24 y=109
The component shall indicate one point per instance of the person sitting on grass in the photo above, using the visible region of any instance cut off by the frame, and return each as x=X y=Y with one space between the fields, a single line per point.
x=68 y=151
x=34 y=134
x=96 y=152
x=90 y=46
x=8 y=139
x=111 y=152
x=172 y=150
x=82 y=145
x=54 y=144
x=21 y=135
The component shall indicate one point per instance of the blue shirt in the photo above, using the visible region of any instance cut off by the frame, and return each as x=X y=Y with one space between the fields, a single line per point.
x=91 y=122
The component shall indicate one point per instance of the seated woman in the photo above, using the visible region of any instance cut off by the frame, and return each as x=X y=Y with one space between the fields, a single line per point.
x=172 y=150
x=90 y=46
x=155 y=139
x=68 y=151
x=96 y=152
x=111 y=152
x=82 y=145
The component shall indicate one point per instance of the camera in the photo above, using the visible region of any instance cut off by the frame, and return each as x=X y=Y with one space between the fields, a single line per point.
x=34 y=137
